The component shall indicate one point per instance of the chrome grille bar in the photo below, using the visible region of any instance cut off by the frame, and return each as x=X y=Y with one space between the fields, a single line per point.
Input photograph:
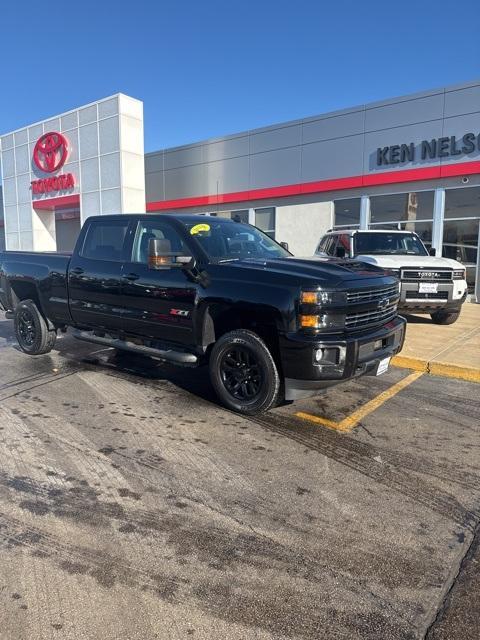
x=372 y=295
x=374 y=316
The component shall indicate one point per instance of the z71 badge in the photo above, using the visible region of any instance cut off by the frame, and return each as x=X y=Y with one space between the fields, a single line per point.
x=179 y=312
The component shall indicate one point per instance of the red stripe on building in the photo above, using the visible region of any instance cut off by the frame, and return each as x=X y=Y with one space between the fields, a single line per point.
x=336 y=184
x=60 y=202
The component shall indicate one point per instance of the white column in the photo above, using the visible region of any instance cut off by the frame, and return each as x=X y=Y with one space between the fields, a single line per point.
x=438 y=215
x=251 y=216
x=44 y=235
x=364 y=212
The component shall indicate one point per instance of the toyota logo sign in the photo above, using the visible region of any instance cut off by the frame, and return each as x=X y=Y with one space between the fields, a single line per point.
x=50 y=152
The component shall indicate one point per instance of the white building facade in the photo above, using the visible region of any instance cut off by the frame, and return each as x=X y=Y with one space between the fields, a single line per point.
x=57 y=173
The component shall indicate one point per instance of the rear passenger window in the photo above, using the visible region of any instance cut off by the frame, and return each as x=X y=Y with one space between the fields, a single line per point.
x=321 y=244
x=328 y=245
x=105 y=241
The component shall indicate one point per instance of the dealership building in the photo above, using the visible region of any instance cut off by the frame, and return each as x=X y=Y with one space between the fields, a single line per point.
x=410 y=163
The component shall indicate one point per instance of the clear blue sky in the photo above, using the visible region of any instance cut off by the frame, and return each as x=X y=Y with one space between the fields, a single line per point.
x=210 y=67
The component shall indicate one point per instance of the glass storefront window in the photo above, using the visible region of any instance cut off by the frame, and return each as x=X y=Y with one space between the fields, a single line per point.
x=347 y=212
x=402 y=207
x=462 y=203
x=422 y=229
x=265 y=220
x=460 y=237
x=387 y=225
x=240 y=214
x=460 y=242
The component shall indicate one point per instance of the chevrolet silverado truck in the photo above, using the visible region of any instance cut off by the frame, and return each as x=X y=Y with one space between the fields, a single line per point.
x=194 y=290
x=429 y=284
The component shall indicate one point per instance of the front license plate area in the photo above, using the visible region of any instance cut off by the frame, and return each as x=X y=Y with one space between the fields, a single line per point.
x=382 y=366
x=427 y=287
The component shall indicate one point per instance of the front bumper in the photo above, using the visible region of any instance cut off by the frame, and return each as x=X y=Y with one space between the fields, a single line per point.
x=350 y=356
x=448 y=297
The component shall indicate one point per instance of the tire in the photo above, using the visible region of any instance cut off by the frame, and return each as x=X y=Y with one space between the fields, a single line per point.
x=31 y=329
x=443 y=317
x=243 y=373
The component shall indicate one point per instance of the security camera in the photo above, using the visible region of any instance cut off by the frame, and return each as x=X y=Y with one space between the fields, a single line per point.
x=465 y=180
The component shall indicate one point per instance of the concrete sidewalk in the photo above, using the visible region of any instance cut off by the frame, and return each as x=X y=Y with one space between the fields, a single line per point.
x=451 y=350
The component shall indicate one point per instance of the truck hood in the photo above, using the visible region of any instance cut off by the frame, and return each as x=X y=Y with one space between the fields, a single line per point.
x=332 y=271
x=387 y=261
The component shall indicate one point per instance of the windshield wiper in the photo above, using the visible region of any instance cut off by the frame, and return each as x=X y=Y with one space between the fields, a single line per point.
x=228 y=260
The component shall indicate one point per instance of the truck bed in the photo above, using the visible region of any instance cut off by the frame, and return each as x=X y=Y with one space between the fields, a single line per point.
x=44 y=274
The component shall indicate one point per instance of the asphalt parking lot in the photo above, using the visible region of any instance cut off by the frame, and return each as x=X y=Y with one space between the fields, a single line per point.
x=133 y=507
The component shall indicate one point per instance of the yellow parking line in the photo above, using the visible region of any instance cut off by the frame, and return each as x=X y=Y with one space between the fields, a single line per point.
x=323 y=421
x=348 y=423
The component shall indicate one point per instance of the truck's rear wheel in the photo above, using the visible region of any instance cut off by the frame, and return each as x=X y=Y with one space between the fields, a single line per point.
x=31 y=329
x=243 y=373
x=443 y=317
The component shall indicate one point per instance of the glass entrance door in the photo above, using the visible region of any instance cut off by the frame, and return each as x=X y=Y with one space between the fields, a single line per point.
x=460 y=229
x=460 y=242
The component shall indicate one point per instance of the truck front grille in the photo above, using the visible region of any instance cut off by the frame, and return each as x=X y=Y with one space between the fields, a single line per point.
x=372 y=295
x=371 y=317
x=426 y=275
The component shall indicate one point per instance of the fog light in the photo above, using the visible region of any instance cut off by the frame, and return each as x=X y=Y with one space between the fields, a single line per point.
x=378 y=344
x=326 y=356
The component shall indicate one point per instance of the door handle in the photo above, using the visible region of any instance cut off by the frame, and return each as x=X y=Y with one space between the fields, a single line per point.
x=77 y=271
x=131 y=276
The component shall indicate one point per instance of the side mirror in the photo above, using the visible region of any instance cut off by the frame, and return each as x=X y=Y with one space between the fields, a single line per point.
x=161 y=256
x=340 y=252
x=284 y=245
x=432 y=251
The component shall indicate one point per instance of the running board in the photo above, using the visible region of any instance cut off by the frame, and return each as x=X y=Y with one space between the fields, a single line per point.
x=177 y=357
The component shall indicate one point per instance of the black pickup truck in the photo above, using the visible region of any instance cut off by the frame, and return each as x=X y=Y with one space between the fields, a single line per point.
x=196 y=290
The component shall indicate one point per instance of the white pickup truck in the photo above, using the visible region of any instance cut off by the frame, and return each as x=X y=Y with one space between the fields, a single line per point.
x=429 y=284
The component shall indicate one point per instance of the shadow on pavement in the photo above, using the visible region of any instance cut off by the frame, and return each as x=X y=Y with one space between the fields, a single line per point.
x=193 y=380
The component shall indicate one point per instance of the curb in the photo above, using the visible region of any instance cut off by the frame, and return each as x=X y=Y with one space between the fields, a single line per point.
x=471 y=374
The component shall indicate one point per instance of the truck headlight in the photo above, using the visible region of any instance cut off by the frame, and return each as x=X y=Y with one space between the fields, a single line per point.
x=322 y=310
x=459 y=274
x=323 y=297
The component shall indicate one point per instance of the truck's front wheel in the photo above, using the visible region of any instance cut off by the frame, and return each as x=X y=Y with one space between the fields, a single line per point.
x=32 y=332
x=442 y=317
x=243 y=372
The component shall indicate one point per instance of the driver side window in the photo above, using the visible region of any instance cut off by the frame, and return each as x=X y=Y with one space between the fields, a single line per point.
x=342 y=248
x=147 y=230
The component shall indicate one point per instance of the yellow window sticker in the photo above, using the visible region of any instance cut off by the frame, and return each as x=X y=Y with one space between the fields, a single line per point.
x=198 y=228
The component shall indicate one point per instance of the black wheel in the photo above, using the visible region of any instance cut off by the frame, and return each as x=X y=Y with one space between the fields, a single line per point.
x=243 y=373
x=443 y=317
x=31 y=329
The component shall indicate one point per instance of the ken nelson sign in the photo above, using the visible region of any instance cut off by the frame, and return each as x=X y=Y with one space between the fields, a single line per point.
x=435 y=148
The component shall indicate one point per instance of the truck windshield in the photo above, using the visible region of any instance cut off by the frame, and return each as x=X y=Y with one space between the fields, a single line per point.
x=224 y=241
x=389 y=243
